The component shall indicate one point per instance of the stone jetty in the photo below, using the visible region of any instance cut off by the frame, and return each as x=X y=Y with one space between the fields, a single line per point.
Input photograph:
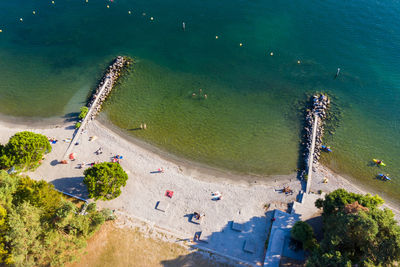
x=314 y=131
x=111 y=76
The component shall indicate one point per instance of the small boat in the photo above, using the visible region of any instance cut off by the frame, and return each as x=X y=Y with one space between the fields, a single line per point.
x=383 y=177
x=378 y=162
x=326 y=148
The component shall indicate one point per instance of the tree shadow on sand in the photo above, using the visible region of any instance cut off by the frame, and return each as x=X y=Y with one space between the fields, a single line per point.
x=72 y=185
x=72 y=116
x=243 y=242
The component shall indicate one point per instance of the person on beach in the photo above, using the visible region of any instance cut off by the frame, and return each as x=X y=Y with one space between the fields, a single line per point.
x=216 y=195
x=99 y=151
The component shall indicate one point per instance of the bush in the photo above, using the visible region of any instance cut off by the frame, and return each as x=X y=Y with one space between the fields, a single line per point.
x=304 y=233
x=77 y=125
x=104 y=180
x=84 y=111
x=91 y=207
x=108 y=214
x=24 y=150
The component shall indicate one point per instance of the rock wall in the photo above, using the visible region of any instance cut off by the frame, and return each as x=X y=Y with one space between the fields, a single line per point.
x=113 y=73
x=320 y=104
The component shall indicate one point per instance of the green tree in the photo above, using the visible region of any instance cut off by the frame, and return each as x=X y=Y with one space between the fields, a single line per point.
x=5 y=255
x=104 y=180
x=24 y=150
x=84 y=110
x=23 y=234
x=333 y=259
x=38 y=227
x=8 y=186
x=38 y=193
x=304 y=233
x=357 y=230
x=338 y=199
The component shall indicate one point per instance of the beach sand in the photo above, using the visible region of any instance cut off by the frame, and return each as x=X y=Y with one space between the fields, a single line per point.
x=243 y=201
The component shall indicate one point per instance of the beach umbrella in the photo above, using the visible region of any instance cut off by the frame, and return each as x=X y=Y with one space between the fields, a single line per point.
x=72 y=156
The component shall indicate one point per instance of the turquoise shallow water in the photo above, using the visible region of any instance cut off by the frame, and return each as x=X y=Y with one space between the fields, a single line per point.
x=251 y=120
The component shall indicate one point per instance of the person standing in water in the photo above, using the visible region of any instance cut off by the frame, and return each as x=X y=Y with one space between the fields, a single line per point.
x=184 y=26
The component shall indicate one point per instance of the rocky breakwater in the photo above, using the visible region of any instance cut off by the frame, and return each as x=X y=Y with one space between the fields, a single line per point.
x=318 y=111
x=111 y=76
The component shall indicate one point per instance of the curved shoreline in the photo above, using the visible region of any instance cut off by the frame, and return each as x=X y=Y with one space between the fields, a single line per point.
x=189 y=168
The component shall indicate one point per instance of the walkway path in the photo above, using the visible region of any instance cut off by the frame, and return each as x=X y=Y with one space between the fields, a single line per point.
x=311 y=155
x=78 y=133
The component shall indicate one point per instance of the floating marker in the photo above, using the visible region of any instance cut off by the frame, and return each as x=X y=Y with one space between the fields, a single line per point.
x=33 y=12
x=216 y=37
x=271 y=54
x=129 y=12
x=240 y=44
x=298 y=62
x=151 y=18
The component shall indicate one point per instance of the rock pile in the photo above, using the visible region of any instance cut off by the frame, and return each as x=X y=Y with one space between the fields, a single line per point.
x=112 y=74
x=320 y=104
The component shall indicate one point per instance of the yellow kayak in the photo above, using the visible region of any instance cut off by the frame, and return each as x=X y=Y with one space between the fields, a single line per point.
x=379 y=162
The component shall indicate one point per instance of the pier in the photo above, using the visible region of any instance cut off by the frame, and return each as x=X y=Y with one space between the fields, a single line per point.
x=314 y=132
x=112 y=74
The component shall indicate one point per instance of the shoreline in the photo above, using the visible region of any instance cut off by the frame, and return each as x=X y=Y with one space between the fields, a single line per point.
x=246 y=203
x=202 y=171
x=200 y=167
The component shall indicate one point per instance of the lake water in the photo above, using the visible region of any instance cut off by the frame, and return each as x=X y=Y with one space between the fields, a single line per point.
x=251 y=119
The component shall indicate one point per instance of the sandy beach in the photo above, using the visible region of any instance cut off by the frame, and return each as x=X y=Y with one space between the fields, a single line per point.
x=143 y=199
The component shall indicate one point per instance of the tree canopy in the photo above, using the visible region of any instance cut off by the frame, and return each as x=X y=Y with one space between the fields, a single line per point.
x=38 y=226
x=304 y=233
x=24 y=150
x=104 y=180
x=356 y=231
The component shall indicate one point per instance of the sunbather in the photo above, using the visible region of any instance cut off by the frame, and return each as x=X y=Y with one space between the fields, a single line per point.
x=216 y=195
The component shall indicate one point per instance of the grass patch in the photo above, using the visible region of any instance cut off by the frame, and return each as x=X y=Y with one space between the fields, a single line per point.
x=116 y=247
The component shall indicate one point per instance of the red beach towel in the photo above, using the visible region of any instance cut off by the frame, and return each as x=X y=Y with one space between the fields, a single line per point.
x=169 y=193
